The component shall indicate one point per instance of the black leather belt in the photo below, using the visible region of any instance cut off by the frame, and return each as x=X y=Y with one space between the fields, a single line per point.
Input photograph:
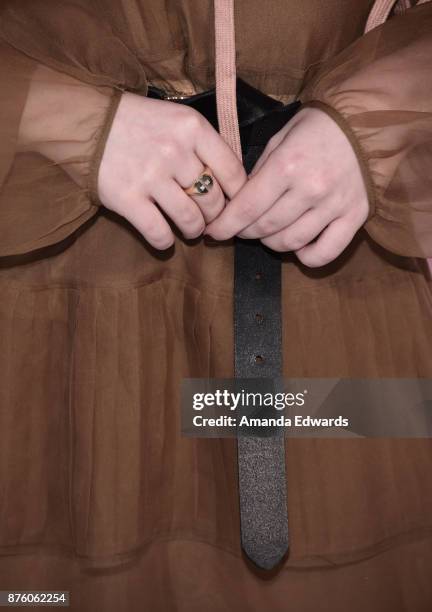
x=257 y=337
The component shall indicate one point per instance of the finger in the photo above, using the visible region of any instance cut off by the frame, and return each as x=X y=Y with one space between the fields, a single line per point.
x=149 y=221
x=179 y=207
x=334 y=239
x=210 y=203
x=272 y=144
x=188 y=171
x=282 y=214
x=301 y=232
x=221 y=159
x=260 y=193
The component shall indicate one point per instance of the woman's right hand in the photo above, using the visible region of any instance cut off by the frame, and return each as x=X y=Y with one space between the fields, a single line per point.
x=156 y=149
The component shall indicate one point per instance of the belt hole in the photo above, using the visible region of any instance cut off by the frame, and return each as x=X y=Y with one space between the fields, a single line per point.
x=258 y=276
x=259 y=318
x=259 y=359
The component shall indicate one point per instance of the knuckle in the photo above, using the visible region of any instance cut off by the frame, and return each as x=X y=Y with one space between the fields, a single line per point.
x=298 y=242
x=188 y=216
x=169 y=149
x=192 y=121
x=150 y=172
x=338 y=245
x=192 y=223
x=286 y=245
x=157 y=232
x=162 y=239
x=318 y=185
x=128 y=199
x=273 y=244
x=284 y=165
x=248 y=212
x=267 y=226
x=194 y=233
x=294 y=243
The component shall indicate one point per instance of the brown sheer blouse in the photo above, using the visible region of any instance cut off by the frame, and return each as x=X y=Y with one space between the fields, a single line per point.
x=99 y=493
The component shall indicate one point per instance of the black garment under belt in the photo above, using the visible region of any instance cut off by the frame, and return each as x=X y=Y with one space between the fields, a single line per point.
x=257 y=336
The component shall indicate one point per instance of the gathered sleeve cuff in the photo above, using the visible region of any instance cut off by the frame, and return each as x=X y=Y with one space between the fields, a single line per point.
x=379 y=91
x=62 y=74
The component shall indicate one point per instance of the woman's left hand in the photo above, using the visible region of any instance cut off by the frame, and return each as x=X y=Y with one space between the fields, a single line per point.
x=307 y=183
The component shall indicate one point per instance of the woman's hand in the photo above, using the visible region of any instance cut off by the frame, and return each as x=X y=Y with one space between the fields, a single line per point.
x=154 y=150
x=307 y=181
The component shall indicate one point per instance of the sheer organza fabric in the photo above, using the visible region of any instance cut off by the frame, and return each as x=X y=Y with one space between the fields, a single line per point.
x=71 y=106
x=99 y=491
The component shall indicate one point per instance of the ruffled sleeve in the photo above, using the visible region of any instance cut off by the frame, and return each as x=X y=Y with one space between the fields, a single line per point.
x=379 y=91
x=62 y=73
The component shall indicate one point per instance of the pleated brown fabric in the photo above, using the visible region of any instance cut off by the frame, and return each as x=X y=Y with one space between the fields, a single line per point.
x=99 y=493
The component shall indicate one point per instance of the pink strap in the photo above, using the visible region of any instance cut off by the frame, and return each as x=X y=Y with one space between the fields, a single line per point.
x=382 y=9
x=226 y=63
x=226 y=74
x=226 y=60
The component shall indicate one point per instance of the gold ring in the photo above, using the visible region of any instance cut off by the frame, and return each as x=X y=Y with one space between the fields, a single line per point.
x=202 y=184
